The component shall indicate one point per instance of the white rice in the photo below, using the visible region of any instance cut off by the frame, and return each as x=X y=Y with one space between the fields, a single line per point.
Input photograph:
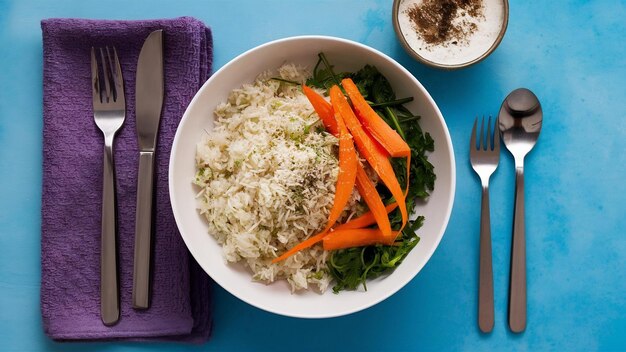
x=267 y=172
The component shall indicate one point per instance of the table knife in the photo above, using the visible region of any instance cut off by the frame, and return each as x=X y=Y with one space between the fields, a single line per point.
x=148 y=104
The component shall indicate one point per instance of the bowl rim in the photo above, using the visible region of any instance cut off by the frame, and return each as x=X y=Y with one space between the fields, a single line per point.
x=448 y=202
x=418 y=57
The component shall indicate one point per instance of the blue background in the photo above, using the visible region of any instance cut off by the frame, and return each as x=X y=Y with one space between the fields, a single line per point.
x=572 y=54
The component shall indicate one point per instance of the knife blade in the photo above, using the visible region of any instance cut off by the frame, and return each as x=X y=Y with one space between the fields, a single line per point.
x=148 y=104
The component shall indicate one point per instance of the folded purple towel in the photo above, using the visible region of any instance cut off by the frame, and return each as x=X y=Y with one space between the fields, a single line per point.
x=72 y=185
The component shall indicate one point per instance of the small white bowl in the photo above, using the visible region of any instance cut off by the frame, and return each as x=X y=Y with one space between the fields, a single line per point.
x=276 y=297
x=482 y=43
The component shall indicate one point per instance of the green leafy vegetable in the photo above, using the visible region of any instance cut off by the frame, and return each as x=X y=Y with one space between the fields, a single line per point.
x=324 y=77
x=354 y=266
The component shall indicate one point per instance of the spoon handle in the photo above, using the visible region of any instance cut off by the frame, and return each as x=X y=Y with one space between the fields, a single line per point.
x=485 y=280
x=517 y=285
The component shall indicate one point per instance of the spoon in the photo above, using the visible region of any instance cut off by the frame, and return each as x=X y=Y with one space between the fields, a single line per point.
x=520 y=122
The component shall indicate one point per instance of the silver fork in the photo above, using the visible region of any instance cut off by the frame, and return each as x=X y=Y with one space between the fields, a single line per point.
x=485 y=158
x=109 y=111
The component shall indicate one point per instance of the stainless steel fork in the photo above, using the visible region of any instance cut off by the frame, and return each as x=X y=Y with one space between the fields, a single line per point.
x=485 y=158
x=109 y=111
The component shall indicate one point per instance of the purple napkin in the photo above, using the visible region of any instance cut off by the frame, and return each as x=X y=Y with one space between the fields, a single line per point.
x=72 y=185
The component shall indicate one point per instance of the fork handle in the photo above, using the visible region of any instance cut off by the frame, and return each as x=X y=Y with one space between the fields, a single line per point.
x=485 y=280
x=517 y=285
x=109 y=293
x=143 y=232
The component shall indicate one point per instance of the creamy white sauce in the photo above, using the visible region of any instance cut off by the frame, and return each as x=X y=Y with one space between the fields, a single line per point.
x=476 y=44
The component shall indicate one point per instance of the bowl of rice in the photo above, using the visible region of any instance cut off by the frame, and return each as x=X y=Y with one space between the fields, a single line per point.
x=248 y=180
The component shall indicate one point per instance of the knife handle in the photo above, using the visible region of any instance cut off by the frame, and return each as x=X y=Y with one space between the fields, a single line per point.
x=143 y=232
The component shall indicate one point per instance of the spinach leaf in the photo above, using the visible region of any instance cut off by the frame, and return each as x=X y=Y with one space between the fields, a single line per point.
x=352 y=267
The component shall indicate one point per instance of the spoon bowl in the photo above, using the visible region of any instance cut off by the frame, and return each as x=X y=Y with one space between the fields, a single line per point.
x=520 y=121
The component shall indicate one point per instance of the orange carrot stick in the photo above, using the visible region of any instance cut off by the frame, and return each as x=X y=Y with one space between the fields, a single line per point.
x=323 y=109
x=372 y=199
x=364 y=220
x=342 y=239
x=377 y=127
x=300 y=246
x=346 y=179
x=375 y=155
x=374 y=124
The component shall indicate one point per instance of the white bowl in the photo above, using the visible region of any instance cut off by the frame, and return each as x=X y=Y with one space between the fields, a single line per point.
x=277 y=297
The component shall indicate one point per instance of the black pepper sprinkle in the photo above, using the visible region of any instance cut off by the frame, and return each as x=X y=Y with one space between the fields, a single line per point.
x=444 y=21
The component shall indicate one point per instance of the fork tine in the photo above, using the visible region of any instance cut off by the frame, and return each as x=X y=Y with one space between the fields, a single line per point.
x=106 y=74
x=488 y=140
x=119 y=82
x=95 y=79
x=496 y=137
x=109 y=65
x=473 y=139
x=482 y=145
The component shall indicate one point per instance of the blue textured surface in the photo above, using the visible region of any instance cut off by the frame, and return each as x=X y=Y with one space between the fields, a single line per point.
x=570 y=53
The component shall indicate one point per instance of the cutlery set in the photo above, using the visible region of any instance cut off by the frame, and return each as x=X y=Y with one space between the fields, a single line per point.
x=519 y=123
x=109 y=108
